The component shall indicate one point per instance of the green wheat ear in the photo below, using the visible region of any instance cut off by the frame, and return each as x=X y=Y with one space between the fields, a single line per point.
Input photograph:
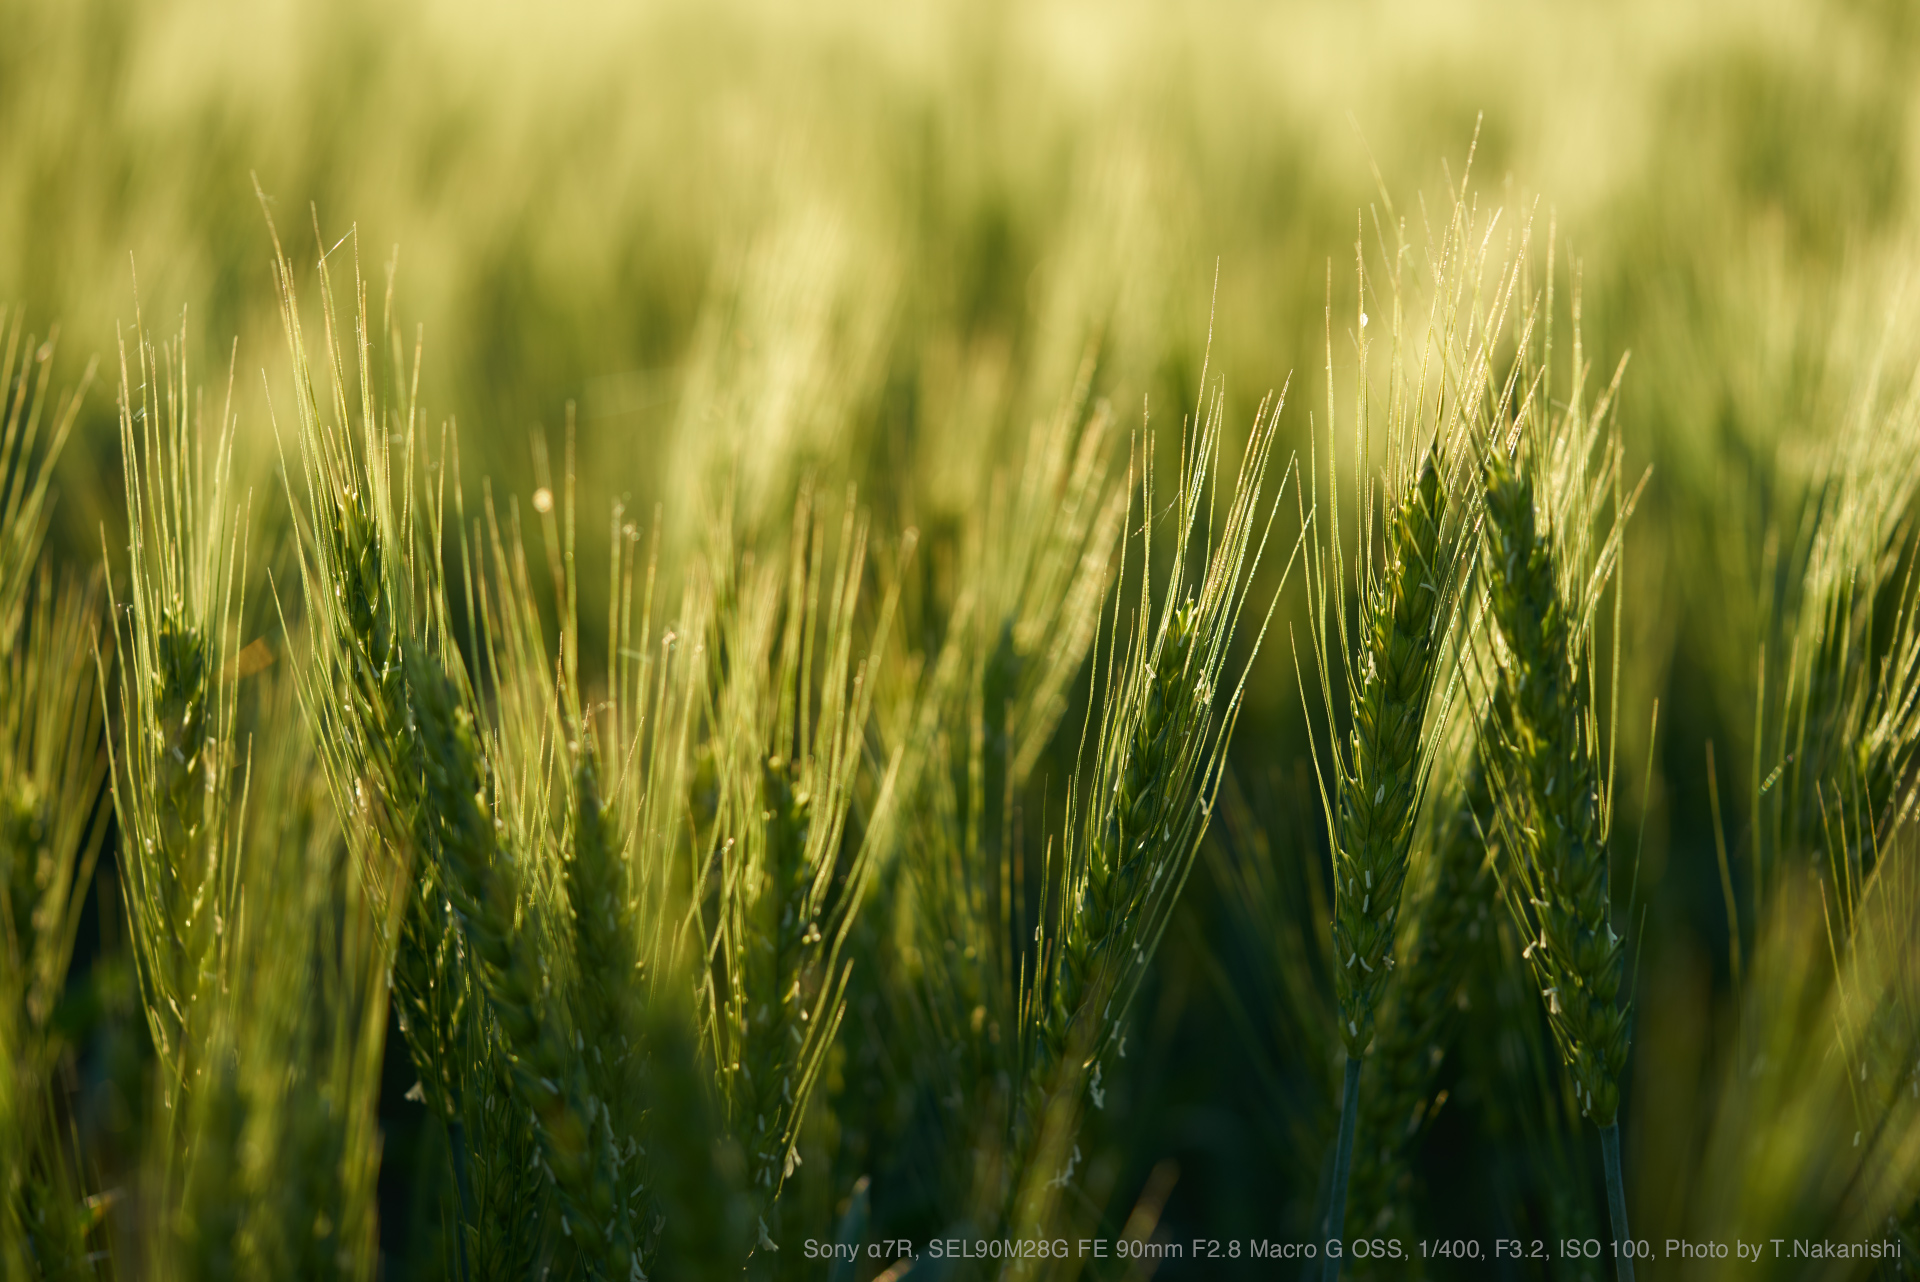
x=792 y=715
x=1167 y=712
x=1552 y=791
x=30 y=445
x=52 y=828
x=1038 y=541
x=483 y=882
x=1410 y=560
x=1452 y=929
x=1129 y=851
x=177 y=768
x=1404 y=628
x=1401 y=638
x=1545 y=574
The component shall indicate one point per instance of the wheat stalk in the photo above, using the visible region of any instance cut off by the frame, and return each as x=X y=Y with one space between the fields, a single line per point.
x=1164 y=723
x=648 y=1065
x=1439 y=384
x=179 y=787
x=792 y=709
x=26 y=460
x=176 y=688
x=1451 y=928
x=1543 y=581
x=52 y=827
x=309 y=1013
x=1036 y=547
x=379 y=622
x=1401 y=637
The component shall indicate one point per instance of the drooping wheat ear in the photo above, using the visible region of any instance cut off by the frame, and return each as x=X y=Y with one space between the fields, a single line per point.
x=177 y=679
x=1452 y=927
x=1163 y=727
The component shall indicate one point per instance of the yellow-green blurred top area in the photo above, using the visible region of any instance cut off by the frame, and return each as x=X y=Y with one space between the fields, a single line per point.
x=882 y=235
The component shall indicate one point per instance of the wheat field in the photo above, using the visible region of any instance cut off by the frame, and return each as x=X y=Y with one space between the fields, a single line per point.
x=959 y=641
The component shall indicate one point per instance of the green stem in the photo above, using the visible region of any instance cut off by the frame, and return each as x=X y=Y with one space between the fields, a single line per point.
x=457 y=1137
x=1616 y=1200
x=1342 y=1165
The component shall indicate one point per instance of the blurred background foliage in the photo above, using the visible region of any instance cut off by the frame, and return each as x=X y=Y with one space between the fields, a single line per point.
x=876 y=241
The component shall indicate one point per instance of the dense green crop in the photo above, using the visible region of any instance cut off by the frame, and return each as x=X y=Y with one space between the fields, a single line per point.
x=773 y=693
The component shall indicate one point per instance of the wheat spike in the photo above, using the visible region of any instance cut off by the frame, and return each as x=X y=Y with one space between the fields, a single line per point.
x=1548 y=771
x=1165 y=722
x=1452 y=930
x=1401 y=637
